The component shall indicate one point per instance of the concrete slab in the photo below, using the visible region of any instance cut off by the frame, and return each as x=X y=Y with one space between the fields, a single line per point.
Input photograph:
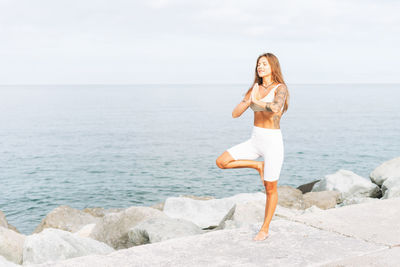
x=386 y=258
x=377 y=222
x=290 y=244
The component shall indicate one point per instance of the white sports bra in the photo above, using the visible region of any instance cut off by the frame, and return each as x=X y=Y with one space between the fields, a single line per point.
x=268 y=98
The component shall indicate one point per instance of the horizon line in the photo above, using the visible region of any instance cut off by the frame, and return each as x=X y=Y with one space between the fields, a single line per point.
x=127 y=84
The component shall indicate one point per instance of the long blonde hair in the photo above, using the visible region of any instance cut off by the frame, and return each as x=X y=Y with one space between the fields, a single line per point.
x=276 y=75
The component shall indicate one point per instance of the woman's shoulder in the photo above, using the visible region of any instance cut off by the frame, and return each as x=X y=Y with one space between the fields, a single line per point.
x=281 y=86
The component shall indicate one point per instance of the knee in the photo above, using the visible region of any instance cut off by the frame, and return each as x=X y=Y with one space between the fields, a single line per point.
x=270 y=187
x=271 y=191
x=220 y=163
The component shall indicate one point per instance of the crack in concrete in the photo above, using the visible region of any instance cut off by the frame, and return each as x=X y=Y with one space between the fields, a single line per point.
x=333 y=231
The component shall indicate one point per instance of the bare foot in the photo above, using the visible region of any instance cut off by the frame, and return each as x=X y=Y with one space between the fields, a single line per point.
x=260 y=169
x=262 y=235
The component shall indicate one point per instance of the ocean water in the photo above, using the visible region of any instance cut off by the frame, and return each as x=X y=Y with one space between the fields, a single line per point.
x=119 y=146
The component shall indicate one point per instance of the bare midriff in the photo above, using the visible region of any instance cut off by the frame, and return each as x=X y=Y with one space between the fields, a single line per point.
x=267 y=119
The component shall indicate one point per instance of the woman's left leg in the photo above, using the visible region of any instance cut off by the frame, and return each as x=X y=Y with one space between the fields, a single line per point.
x=271 y=189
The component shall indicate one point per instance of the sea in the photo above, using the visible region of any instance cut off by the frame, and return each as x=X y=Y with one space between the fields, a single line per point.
x=116 y=146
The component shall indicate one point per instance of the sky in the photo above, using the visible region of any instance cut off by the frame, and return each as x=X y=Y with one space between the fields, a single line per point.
x=200 y=42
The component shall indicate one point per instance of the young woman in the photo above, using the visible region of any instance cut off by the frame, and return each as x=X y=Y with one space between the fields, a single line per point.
x=269 y=99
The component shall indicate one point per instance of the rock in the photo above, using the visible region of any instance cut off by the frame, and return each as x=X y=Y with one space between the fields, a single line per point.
x=55 y=245
x=4 y=222
x=67 y=219
x=390 y=168
x=205 y=213
x=159 y=229
x=227 y=219
x=243 y=214
x=289 y=244
x=86 y=230
x=159 y=206
x=11 y=244
x=323 y=199
x=290 y=197
x=286 y=213
x=100 y=212
x=391 y=187
x=356 y=200
x=349 y=184
x=198 y=197
x=113 y=228
x=5 y=263
x=312 y=209
x=305 y=188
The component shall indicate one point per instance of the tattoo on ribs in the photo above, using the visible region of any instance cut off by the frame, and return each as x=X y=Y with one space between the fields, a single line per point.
x=276 y=119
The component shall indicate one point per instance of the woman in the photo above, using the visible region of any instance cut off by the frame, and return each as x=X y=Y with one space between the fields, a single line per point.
x=269 y=99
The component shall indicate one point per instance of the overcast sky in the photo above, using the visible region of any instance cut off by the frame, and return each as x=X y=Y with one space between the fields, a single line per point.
x=177 y=41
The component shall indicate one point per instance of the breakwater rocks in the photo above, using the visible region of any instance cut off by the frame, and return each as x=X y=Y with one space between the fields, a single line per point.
x=190 y=224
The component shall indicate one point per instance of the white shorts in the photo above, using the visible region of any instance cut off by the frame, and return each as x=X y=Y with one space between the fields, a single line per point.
x=266 y=143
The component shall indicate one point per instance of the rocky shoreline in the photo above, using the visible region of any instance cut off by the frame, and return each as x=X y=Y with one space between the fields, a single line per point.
x=68 y=233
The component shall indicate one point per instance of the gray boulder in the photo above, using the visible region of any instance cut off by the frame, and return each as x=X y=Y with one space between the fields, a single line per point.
x=52 y=245
x=391 y=187
x=243 y=215
x=323 y=199
x=290 y=197
x=205 y=213
x=11 y=245
x=390 y=168
x=67 y=219
x=349 y=184
x=161 y=228
x=113 y=228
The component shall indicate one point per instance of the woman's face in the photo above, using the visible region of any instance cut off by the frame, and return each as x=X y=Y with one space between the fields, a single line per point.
x=263 y=67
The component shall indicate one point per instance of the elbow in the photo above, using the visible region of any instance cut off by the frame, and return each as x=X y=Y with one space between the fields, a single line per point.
x=236 y=115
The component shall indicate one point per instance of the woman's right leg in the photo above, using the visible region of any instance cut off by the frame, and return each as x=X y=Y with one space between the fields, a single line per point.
x=226 y=161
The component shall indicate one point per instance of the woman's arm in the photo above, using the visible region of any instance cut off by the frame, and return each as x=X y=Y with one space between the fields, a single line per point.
x=242 y=106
